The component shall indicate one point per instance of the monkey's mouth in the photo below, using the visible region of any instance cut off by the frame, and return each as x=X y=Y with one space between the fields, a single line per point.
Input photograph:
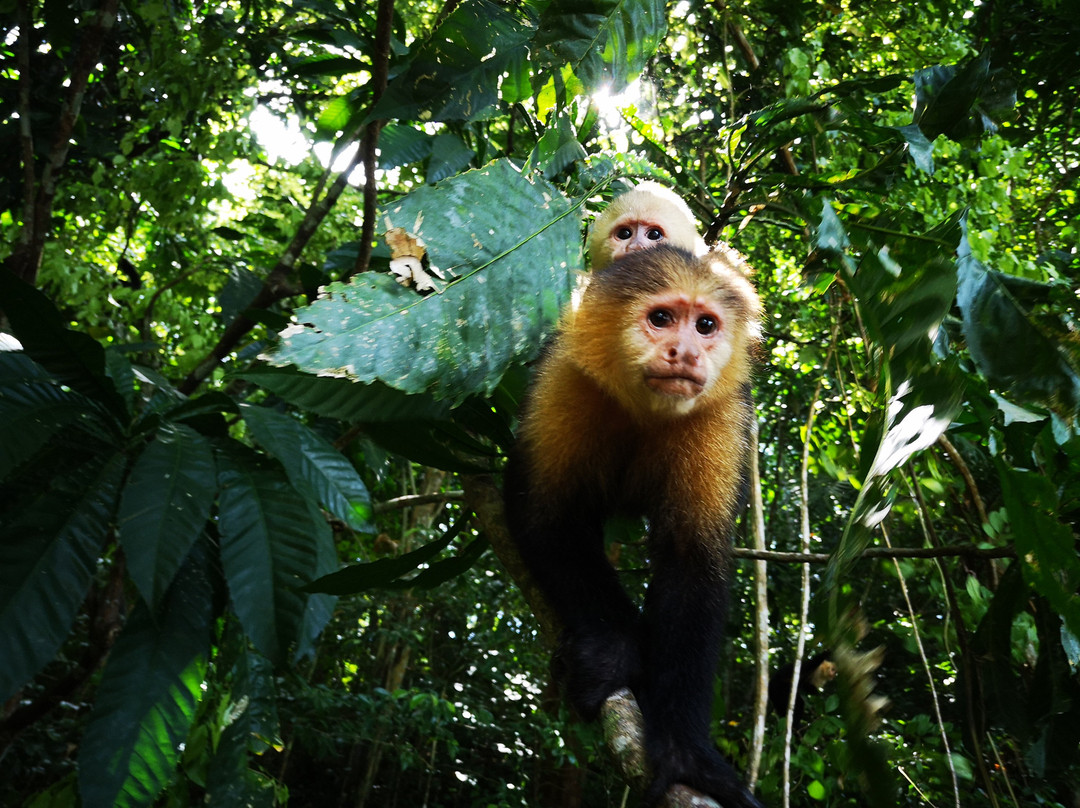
x=681 y=385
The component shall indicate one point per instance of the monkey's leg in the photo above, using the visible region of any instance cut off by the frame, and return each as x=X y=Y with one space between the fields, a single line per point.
x=564 y=553
x=684 y=619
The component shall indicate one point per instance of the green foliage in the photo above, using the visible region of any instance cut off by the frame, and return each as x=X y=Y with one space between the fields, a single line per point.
x=275 y=560
x=148 y=696
x=509 y=285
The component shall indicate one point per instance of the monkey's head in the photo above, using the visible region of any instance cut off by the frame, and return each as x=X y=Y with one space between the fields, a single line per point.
x=642 y=218
x=666 y=332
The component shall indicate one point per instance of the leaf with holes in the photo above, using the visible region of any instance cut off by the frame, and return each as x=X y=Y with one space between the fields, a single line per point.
x=510 y=244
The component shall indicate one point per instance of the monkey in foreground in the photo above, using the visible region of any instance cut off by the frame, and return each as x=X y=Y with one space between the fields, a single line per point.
x=644 y=217
x=642 y=406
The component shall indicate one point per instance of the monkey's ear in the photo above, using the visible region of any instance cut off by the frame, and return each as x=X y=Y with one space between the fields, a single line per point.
x=731 y=258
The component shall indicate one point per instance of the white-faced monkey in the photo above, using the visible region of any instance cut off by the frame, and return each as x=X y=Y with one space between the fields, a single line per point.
x=642 y=218
x=642 y=406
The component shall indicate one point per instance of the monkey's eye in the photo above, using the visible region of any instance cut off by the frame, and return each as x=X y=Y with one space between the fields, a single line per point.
x=654 y=234
x=706 y=325
x=623 y=233
x=660 y=318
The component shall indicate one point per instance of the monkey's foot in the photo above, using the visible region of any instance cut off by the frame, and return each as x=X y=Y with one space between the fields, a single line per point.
x=591 y=665
x=702 y=768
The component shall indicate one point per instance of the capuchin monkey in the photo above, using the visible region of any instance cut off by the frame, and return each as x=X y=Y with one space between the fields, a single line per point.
x=643 y=217
x=641 y=406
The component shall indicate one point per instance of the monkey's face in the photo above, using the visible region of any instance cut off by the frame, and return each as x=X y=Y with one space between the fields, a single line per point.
x=682 y=346
x=629 y=234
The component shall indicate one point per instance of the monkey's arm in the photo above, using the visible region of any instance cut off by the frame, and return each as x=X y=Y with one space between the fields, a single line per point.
x=561 y=544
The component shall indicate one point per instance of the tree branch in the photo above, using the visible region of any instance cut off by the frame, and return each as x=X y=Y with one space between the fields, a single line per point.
x=26 y=260
x=412 y=500
x=877 y=552
x=761 y=615
x=278 y=284
x=384 y=18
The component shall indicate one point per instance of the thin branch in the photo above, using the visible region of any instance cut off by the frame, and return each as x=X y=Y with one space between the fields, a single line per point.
x=384 y=19
x=917 y=636
x=966 y=551
x=27 y=258
x=973 y=696
x=761 y=615
x=804 y=612
x=965 y=472
x=413 y=500
x=26 y=131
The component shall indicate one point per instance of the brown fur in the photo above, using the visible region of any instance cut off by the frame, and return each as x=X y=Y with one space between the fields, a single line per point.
x=591 y=420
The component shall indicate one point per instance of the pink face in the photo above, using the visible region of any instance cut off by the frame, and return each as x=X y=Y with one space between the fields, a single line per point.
x=685 y=347
x=629 y=235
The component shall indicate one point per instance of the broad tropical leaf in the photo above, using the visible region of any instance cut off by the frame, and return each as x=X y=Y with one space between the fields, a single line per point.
x=47 y=562
x=77 y=359
x=512 y=244
x=165 y=505
x=33 y=408
x=605 y=43
x=455 y=74
x=149 y=692
x=268 y=549
x=1046 y=547
x=385 y=572
x=346 y=400
x=313 y=465
x=1009 y=349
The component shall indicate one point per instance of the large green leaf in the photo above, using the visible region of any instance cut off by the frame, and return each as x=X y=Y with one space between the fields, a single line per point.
x=919 y=412
x=268 y=549
x=48 y=557
x=905 y=286
x=77 y=359
x=346 y=400
x=165 y=505
x=313 y=465
x=1009 y=348
x=400 y=145
x=962 y=101
x=513 y=244
x=384 y=573
x=319 y=607
x=148 y=695
x=33 y=408
x=605 y=43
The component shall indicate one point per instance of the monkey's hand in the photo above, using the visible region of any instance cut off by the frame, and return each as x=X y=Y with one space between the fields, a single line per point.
x=593 y=663
x=699 y=766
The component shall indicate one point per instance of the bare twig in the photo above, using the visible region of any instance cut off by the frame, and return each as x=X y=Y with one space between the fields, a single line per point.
x=412 y=500
x=384 y=18
x=804 y=612
x=761 y=615
x=965 y=551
